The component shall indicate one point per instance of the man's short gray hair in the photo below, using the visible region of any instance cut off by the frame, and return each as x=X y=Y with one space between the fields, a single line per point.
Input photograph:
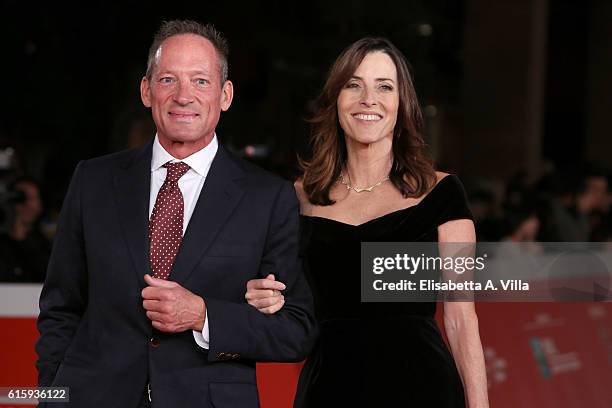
x=177 y=27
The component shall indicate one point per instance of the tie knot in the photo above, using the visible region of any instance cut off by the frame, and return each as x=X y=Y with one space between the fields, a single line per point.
x=175 y=171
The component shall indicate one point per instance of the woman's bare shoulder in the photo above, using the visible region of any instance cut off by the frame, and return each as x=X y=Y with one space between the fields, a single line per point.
x=440 y=175
x=301 y=195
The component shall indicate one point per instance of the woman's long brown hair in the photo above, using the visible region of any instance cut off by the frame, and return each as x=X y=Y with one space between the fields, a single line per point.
x=412 y=172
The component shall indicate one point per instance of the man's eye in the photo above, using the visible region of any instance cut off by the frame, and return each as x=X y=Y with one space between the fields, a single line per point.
x=201 y=81
x=166 y=80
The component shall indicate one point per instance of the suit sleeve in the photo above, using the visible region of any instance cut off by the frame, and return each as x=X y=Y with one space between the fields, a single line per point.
x=241 y=330
x=64 y=295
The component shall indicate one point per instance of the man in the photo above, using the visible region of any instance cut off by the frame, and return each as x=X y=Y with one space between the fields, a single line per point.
x=144 y=298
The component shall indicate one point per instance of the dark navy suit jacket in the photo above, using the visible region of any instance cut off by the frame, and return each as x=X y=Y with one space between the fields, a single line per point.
x=94 y=334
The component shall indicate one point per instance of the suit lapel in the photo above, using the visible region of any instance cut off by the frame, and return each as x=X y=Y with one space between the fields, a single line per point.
x=133 y=185
x=219 y=197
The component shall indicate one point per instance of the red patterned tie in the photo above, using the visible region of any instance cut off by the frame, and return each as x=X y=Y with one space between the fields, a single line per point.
x=166 y=224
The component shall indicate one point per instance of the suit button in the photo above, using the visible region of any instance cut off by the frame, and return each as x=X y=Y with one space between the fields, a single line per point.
x=154 y=342
x=235 y=356
x=224 y=356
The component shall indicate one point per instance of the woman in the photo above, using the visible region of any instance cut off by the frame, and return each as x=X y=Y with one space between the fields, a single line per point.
x=370 y=179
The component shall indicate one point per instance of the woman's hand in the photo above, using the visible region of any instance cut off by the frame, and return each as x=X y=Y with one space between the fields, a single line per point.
x=265 y=295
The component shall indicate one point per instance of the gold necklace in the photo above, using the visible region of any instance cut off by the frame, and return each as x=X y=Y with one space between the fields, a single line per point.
x=359 y=190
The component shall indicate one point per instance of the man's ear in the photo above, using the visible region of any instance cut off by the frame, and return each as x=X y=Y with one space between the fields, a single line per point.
x=227 y=95
x=145 y=92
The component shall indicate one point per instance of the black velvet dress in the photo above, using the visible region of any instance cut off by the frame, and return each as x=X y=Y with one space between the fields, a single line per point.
x=376 y=354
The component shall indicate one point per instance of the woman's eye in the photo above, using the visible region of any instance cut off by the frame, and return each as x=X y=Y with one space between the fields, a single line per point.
x=352 y=85
x=386 y=87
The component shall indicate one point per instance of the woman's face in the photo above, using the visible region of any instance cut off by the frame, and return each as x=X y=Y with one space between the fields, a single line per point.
x=368 y=103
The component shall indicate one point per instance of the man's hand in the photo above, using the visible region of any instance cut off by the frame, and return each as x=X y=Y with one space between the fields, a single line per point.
x=172 y=308
x=265 y=295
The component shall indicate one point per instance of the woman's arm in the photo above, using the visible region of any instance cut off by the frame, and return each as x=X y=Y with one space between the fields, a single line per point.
x=265 y=294
x=461 y=325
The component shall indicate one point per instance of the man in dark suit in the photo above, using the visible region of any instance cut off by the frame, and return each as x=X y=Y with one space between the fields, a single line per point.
x=144 y=298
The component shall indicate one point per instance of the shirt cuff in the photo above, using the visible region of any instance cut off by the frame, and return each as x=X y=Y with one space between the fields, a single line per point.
x=203 y=338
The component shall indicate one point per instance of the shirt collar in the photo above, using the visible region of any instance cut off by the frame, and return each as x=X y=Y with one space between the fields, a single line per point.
x=199 y=161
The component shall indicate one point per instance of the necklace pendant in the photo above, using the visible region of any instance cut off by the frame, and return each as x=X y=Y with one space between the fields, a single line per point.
x=357 y=189
x=361 y=190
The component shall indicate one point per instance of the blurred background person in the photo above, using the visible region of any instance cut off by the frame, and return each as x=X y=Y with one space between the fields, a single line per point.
x=594 y=201
x=24 y=249
x=521 y=225
x=578 y=207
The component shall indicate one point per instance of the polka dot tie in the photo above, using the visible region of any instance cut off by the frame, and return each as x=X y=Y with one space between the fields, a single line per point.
x=166 y=224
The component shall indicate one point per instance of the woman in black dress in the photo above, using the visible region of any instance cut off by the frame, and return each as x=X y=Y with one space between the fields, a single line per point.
x=371 y=179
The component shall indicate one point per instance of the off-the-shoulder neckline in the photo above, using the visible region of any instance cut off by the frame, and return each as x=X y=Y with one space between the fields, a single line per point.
x=380 y=217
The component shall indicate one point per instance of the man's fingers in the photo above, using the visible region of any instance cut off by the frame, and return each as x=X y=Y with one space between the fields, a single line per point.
x=155 y=293
x=159 y=283
x=151 y=292
x=161 y=326
x=156 y=317
x=155 y=305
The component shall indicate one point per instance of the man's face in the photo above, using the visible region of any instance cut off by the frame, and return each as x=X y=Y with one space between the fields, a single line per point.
x=185 y=92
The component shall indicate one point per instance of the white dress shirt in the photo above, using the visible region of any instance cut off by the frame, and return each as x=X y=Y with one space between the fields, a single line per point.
x=190 y=185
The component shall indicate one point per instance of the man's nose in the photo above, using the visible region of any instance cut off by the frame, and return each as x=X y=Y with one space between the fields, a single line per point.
x=183 y=94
